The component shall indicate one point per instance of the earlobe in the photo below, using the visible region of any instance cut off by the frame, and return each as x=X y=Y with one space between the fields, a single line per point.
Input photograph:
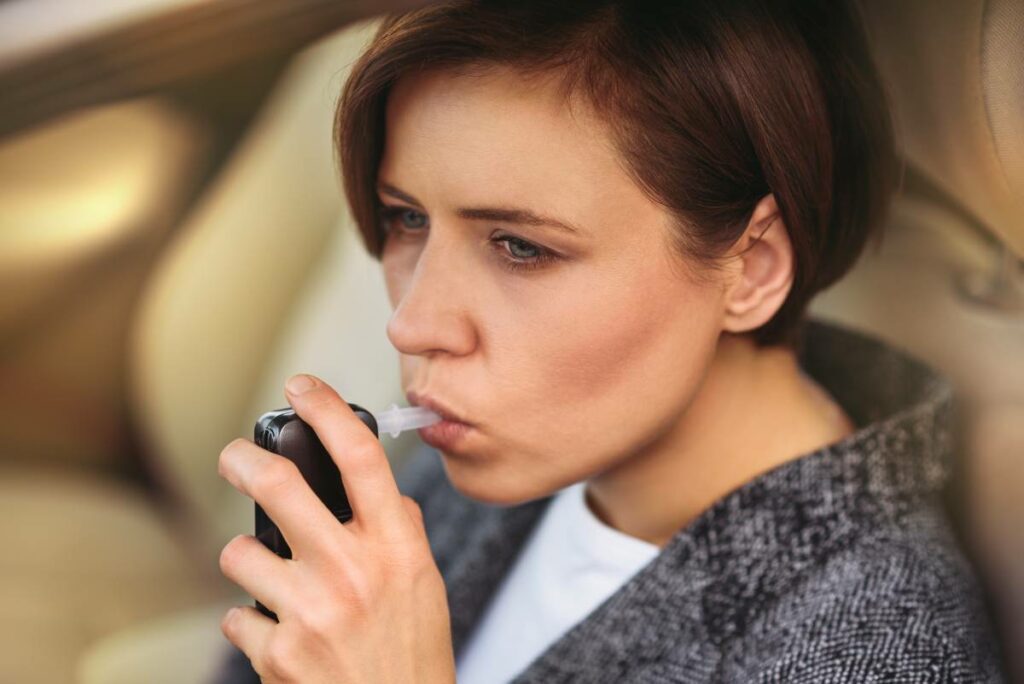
x=765 y=274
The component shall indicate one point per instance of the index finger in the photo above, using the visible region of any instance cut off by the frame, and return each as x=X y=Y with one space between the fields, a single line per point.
x=365 y=471
x=277 y=486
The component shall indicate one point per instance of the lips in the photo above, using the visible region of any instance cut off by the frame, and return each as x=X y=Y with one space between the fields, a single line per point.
x=446 y=435
x=434 y=405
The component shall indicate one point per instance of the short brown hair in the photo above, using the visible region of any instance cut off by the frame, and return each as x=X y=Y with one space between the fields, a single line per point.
x=713 y=104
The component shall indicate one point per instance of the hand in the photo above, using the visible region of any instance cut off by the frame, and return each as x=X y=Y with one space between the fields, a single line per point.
x=359 y=602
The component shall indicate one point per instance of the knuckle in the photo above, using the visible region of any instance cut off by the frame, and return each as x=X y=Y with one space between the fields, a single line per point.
x=363 y=454
x=273 y=476
x=360 y=605
x=319 y=620
x=359 y=595
x=280 y=656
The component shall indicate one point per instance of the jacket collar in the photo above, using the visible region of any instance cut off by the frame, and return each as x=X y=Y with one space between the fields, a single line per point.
x=751 y=544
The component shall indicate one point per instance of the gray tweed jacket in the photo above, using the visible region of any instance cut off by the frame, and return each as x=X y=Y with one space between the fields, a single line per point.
x=838 y=566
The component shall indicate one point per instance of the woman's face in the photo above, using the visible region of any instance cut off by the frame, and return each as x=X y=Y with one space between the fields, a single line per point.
x=571 y=342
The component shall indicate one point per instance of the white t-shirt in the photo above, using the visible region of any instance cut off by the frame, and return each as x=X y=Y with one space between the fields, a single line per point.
x=568 y=566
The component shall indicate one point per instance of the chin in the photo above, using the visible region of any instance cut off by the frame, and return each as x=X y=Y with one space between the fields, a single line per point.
x=481 y=483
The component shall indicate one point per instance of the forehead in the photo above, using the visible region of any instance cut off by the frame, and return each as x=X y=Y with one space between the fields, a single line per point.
x=493 y=108
x=499 y=136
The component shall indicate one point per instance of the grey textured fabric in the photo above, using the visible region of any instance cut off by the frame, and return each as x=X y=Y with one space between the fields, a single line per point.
x=838 y=566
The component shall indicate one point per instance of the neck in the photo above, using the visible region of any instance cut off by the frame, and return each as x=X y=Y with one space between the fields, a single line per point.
x=754 y=411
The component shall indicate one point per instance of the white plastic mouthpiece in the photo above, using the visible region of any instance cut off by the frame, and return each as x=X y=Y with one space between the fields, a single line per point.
x=394 y=420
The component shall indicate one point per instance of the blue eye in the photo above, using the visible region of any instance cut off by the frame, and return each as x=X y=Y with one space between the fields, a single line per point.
x=515 y=254
x=413 y=219
x=407 y=219
x=521 y=249
x=520 y=255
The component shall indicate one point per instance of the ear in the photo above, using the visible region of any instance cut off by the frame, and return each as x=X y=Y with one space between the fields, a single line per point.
x=763 y=270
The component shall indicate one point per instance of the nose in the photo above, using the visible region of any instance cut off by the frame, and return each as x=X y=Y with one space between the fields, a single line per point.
x=433 y=314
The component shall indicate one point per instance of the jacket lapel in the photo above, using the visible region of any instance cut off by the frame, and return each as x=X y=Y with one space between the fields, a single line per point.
x=482 y=559
x=631 y=630
x=642 y=618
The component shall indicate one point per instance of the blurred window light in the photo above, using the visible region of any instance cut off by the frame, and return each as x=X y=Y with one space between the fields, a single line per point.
x=82 y=180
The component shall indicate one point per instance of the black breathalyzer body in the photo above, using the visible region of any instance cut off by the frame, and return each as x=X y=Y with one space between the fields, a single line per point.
x=284 y=433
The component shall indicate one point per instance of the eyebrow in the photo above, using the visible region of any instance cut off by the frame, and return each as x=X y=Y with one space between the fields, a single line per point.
x=501 y=214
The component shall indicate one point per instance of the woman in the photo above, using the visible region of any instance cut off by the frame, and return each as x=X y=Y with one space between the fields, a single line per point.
x=600 y=225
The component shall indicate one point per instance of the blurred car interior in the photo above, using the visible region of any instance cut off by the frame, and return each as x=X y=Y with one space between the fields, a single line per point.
x=174 y=244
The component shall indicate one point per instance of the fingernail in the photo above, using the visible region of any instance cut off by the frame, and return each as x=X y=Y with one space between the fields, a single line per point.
x=297 y=384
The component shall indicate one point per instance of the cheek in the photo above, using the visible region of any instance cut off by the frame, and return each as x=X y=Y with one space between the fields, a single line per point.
x=621 y=336
x=620 y=363
x=617 y=357
x=592 y=350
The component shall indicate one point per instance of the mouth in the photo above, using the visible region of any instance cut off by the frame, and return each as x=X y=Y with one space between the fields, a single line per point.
x=446 y=435
x=434 y=405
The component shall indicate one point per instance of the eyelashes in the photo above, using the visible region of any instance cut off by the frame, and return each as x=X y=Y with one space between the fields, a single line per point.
x=514 y=253
x=508 y=244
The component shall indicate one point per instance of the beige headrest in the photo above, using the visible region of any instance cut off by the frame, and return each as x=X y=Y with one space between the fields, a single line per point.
x=228 y=290
x=955 y=73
